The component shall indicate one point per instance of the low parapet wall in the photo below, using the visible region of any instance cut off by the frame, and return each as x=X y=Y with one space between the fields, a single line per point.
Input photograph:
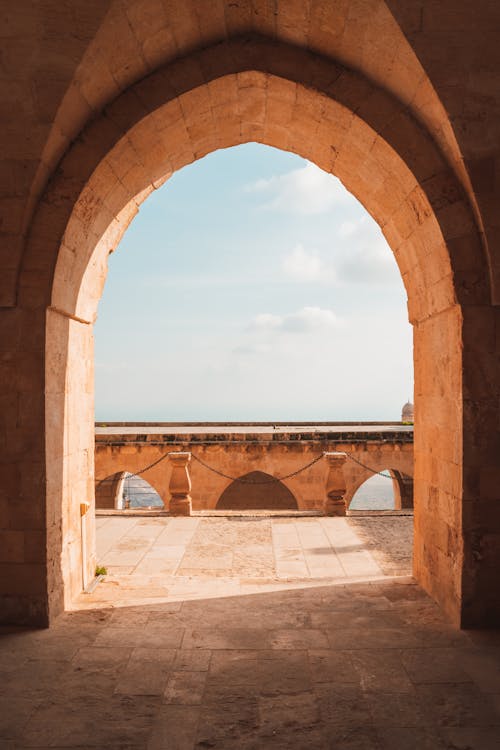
x=275 y=449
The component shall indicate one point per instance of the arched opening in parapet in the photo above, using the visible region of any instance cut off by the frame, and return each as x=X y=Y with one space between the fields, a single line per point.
x=387 y=489
x=138 y=493
x=126 y=491
x=257 y=491
x=346 y=126
x=375 y=493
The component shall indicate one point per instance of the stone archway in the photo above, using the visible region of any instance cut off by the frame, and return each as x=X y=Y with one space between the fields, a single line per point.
x=402 y=487
x=378 y=488
x=124 y=490
x=395 y=170
x=109 y=491
x=256 y=491
x=386 y=153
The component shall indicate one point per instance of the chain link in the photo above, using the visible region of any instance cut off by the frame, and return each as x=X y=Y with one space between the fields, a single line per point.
x=137 y=473
x=243 y=480
x=380 y=474
x=271 y=480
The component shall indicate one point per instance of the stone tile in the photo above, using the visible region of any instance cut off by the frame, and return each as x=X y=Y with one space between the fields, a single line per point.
x=291 y=711
x=332 y=666
x=259 y=672
x=300 y=638
x=164 y=656
x=296 y=737
x=411 y=739
x=458 y=705
x=233 y=726
x=483 y=667
x=161 y=635
x=119 y=721
x=397 y=710
x=161 y=609
x=344 y=706
x=382 y=671
x=436 y=635
x=175 y=728
x=232 y=638
x=380 y=638
x=120 y=570
x=119 y=637
x=185 y=688
x=369 y=621
x=192 y=660
x=124 y=618
x=356 y=738
x=434 y=665
x=167 y=552
x=15 y=711
x=102 y=657
x=143 y=677
x=471 y=738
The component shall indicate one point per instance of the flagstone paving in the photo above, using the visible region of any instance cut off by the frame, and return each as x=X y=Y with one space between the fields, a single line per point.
x=252 y=633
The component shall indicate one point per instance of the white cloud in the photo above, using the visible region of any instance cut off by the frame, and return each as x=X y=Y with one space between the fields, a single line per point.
x=303 y=265
x=306 y=190
x=358 y=254
x=365 y=257
x=347 y=228
x=306 y=320
x=267 y=321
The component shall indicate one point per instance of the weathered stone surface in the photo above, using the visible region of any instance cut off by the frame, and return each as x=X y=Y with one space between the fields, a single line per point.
x=276 y=663
x=271 y=450
x=104 y=99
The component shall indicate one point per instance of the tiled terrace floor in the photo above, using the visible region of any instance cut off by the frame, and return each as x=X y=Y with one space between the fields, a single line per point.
x=268 y=633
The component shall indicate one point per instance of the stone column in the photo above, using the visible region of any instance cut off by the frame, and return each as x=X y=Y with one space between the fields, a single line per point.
x=335 y=485
x=180 y=484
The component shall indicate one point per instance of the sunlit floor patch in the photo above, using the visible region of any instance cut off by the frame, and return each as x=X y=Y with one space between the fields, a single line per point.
x=169 y=559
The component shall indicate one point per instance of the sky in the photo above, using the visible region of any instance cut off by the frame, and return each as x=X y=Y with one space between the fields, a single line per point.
x=252 y=286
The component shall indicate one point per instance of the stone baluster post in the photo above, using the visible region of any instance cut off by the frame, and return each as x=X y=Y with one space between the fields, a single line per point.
x=335 y=485
x=180 y=484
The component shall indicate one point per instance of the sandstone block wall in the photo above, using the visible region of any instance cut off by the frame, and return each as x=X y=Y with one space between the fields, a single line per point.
x=104 y=99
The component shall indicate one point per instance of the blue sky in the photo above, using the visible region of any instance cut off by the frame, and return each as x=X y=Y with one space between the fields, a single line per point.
x=252 y=286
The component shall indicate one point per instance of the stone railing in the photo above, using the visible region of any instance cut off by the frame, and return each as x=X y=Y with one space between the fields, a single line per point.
x=180 y=503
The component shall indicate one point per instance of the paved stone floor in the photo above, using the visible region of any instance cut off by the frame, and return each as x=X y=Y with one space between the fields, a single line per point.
x=252 y=633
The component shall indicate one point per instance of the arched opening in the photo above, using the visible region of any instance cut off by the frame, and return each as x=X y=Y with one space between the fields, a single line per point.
x=347 y=126
x=124 y=491
x=375 y=493
x=139 y=493
x=388 y=489
x=295 y=258
x=109 y=491
x=257 y=491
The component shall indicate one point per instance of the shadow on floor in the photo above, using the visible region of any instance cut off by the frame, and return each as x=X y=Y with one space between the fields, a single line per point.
x=347 y=667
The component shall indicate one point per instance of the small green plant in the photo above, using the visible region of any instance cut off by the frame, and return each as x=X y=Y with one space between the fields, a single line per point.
x=100 y=570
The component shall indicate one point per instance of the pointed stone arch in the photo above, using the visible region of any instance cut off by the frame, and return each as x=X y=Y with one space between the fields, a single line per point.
x=257 y=491
x=256 y=89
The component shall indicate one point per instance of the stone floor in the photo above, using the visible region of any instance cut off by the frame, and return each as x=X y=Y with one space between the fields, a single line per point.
x=252 y=633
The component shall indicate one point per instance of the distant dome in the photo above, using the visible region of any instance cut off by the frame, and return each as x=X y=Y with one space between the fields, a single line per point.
x=407 y=413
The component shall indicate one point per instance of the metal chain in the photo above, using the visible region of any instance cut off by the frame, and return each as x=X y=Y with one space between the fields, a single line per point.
x=242 y=480
x=380 y=474
x=137 y=473
x=271 y=480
